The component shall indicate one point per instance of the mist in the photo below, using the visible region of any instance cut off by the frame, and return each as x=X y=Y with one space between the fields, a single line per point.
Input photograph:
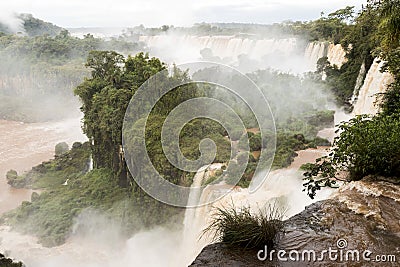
x=36 y=94
x=33 y=91
x=247 y=53
x=98 y=241
x=10 y=21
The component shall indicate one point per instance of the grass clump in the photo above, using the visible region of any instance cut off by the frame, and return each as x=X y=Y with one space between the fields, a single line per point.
x=242 y=228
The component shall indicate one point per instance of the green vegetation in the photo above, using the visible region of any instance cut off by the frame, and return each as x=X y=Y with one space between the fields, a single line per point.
x=50 y=215
x=6 y=262
x=333 y=27
x=368 y=145
x=40 y=71
x=252 y=30
x=241 y=227
x=61 y=148
x=69 y=190
x=32 y=26
x=53 y=173
x=14 y=180
x=365 y=147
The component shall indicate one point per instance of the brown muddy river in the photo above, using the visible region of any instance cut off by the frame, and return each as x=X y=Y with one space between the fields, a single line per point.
x=24 y=145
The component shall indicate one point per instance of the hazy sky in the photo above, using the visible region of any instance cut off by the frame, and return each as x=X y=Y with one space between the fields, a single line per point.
x=115 y=13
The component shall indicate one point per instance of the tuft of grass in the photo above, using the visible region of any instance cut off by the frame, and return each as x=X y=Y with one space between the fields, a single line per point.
x=242 y=228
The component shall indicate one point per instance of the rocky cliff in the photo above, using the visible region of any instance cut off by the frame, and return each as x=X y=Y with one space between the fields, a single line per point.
x=361 y=219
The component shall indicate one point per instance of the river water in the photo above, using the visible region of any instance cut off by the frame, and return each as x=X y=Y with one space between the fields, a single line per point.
x=24 y=145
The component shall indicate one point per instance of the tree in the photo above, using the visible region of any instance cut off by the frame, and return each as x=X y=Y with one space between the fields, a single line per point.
x=6 y=262
x=106 y=95
x=389 y=26
x=366 y=146
x=344 y=14
x=105 y=65
x=61 y=148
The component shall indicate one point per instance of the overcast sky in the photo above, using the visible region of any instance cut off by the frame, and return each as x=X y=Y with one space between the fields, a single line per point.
x=122 y=13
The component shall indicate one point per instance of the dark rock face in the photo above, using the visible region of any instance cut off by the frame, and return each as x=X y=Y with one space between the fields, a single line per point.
x=221 y=255
x=362 y=217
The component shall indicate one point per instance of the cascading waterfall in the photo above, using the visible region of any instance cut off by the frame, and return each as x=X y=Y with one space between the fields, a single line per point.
x=247 y=54
x=316 y=50
x=285 y=54
x=193 y=220
x=90 y=163
x=283 y=187
x=359 y=83
x=375 y=83
x=224 y=46
x=194 y=196
x=336 y=55
x=366 y=90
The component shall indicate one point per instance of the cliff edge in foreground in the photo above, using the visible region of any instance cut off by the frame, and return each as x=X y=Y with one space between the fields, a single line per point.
x=358 y=226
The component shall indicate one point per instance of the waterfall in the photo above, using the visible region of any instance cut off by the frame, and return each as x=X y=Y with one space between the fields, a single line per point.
x=285 y=54
x=359 y=83
x=247 y=54
x=224 y=46
x=90 y=163
x=316 y=50
x=283 y=187
x=193 y=224
x=336 y=55
x=375 y=83
x=194 y=197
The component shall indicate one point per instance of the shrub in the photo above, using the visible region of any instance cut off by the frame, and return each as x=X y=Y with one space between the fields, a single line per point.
x=11 y=175
x=321 y=119
x=255 y=142
x=6 y=262
x=14 y=180
x=240 y=227
x=77 y=145
x=61 y=148
x=321 y=141
x=366 y=146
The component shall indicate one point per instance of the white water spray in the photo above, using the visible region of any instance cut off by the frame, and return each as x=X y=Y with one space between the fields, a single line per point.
x=315 y=50
x=283 y=187
x=375 y=83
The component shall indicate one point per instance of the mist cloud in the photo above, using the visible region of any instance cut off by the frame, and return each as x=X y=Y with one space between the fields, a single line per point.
x=11 y=21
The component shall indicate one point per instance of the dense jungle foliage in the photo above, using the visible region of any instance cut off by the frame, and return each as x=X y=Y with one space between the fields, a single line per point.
x=368 y=145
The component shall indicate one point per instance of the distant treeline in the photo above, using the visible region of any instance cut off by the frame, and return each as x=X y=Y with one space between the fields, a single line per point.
x=40 y=67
